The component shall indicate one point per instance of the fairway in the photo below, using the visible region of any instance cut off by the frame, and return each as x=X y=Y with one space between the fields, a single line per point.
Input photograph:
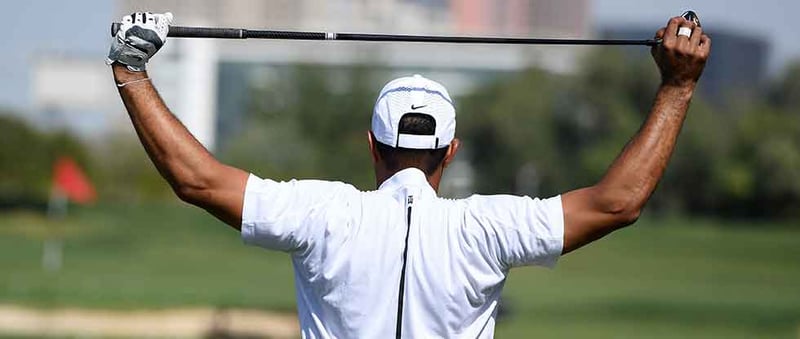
x=659 y=279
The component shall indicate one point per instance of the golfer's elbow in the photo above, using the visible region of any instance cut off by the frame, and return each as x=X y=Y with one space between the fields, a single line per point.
x=192 y=187
x=627 y=217
x=190 y=194
x=622 y=207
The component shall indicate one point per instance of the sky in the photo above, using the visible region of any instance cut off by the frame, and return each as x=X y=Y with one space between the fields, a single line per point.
x=772 y=20
x=36 y=28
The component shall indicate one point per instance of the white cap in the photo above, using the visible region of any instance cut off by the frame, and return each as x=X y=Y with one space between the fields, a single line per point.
x=414 y=94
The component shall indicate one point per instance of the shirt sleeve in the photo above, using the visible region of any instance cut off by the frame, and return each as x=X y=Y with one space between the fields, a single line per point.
x=279 y=215
x=520 y=231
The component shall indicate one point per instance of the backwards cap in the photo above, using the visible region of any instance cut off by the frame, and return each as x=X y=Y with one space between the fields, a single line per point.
x=414 y=95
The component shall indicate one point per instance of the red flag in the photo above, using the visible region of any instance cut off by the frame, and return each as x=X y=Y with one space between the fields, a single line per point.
x=70 y=180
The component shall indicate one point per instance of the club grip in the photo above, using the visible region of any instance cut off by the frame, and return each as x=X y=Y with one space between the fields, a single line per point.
x=196 y=32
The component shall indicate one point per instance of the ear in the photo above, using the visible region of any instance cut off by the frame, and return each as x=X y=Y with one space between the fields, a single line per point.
x=451 y=152
x=373 y=150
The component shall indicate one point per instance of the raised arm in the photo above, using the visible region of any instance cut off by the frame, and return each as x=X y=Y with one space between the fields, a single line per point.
x=192 y=172
x=617 y=200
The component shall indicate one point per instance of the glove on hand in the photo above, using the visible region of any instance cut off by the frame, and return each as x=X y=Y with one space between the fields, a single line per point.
x=140 y=36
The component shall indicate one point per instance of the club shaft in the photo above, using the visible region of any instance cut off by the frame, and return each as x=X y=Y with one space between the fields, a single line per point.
x=237 y=33
x=486 y=40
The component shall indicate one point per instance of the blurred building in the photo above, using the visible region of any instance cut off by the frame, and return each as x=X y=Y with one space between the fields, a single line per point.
x=566 y=18
x=199 y=77
x=75 y=92
x=737 y=66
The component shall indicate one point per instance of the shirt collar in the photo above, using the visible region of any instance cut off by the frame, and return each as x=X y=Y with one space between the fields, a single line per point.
x=409 y=177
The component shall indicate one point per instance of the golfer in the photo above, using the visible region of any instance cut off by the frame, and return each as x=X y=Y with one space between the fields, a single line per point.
x=399 y=261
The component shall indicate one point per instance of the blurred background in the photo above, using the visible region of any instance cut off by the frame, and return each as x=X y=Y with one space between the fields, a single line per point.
x=94 y=244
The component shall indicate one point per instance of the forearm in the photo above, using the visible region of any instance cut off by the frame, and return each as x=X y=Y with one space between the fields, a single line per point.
x=633 y=176
x=177 y=155
x=616 y=201
x=194 y=174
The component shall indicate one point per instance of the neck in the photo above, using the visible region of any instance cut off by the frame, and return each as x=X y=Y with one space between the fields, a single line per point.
x=382 y=175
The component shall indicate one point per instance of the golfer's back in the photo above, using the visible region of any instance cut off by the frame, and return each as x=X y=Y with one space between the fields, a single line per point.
x=399 y=260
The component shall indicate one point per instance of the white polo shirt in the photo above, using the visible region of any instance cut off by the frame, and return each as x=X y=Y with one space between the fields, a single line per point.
x=399 y=260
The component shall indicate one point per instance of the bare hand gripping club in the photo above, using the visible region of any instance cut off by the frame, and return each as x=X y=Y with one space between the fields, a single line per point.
x=240 y=33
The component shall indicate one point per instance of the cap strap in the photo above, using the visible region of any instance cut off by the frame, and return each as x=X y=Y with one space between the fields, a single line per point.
x=417 y=141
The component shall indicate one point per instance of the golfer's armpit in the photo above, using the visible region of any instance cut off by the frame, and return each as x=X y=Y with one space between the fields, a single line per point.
x=280 y=215
x=224 y=196
x=520 y=231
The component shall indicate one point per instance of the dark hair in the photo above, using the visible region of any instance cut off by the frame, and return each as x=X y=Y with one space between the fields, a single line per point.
x=397 y=158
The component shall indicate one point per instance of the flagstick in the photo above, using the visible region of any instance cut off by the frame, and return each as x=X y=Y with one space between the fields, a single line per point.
x=53 y=247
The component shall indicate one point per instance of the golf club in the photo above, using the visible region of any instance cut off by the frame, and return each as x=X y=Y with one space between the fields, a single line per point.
x=239 y=33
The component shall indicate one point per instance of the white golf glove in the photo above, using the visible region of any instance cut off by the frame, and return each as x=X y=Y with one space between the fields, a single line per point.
x=140 y=36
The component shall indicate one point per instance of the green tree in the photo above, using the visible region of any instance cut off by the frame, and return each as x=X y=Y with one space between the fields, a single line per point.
x=125 y=173
x=567 y=128
x=540 y=134
x=768 y=148
x=509 y=125
x=313 y=125
x=27 y=157
x=785 y=92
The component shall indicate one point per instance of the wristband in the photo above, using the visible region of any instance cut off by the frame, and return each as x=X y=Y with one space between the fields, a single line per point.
x=132 y=82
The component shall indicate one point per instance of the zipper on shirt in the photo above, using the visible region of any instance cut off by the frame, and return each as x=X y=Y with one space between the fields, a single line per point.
x=401 y=294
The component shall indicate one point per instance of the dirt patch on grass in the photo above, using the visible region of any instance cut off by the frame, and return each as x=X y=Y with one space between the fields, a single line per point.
x=184 y=323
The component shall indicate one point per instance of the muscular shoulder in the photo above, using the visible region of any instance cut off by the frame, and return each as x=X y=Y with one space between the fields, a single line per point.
x=307 y=188
x=498 y=205
x=278 y=200
x=519 y=229
x=286 y=215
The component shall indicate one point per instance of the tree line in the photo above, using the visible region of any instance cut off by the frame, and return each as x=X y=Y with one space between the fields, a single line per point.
x=530 y=132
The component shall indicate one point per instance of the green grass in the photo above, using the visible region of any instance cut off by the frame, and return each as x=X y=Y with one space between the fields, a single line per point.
x=658 y=279
x=666 y=280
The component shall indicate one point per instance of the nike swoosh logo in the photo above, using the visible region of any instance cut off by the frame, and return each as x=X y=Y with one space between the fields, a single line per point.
x=414 y=108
